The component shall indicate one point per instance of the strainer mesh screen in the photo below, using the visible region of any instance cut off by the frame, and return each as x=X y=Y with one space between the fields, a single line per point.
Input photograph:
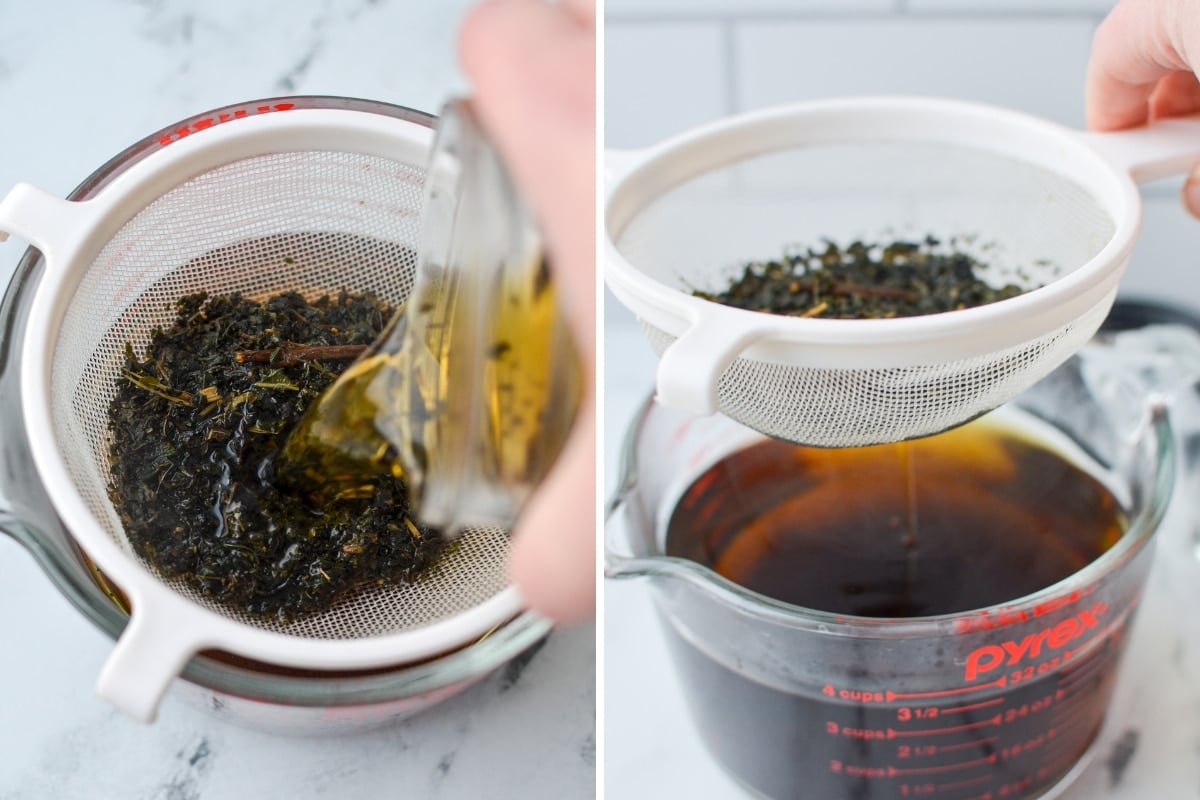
x=857 y=407
x=315 y=222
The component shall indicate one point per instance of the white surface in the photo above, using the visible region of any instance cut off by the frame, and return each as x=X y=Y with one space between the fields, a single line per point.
x=652 y=750
x=80 y=81
x=58 y=742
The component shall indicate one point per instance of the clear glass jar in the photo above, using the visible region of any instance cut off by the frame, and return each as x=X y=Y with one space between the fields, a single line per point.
x=471 y=392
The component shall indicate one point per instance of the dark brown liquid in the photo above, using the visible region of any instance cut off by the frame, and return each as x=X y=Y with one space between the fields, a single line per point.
x=1009 y=744
x=963 y=520
x=960 y=521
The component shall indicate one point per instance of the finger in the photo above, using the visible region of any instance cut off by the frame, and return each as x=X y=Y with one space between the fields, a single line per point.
x=533 y=69
x=1191 y=193
x=1175 y=95
x=1133 y=49
x=584 y=10
x=553 y=560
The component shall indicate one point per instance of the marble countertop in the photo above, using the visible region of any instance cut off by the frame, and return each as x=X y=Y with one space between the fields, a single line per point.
x=79 y=81
x=1149 y=748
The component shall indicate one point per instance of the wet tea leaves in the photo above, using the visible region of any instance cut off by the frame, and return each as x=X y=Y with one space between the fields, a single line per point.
x=864 y=281
x=196 y=432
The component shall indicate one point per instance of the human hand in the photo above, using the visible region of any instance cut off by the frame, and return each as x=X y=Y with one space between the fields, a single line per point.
x=532 y=65
x=1144 y=61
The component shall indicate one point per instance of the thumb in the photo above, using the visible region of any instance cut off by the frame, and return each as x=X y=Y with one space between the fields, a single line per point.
x=553 y=559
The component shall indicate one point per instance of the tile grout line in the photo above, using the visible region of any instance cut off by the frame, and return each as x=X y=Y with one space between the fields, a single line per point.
x=902 y=9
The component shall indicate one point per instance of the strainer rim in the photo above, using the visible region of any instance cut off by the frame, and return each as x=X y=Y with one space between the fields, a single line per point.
x=137 y=580
x=870 y=343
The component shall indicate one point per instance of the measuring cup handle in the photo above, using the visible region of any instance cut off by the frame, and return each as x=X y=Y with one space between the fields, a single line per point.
x=162 y=635
x=1160 y=149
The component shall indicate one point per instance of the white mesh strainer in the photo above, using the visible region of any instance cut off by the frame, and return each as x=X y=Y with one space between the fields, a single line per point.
x=1042 y=205
x=310 y=194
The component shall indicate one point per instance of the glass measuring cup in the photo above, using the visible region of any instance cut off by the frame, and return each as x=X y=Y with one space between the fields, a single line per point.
x=1000 y=702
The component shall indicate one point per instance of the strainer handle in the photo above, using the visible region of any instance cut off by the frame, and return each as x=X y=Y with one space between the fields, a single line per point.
x=690 y=369
x=163 y=633
x=49 y=223
x=1160 y=149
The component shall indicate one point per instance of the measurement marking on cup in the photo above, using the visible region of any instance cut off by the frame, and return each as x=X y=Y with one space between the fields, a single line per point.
x=1073 y=661
x=1018 y=749
x=996 y=684
x=1053 y=763
x=1060 y=716
x=916 y=751
x=1076 y=693
x=893 y=772
x=946 y=748
x=906 y=751
x=973 y=706
x=1069 y=721
x=1081 y=676
x=949 y=787
x=970 y=726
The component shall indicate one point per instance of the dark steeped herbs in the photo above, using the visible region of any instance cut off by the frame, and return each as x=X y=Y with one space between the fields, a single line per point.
x=863 y=281
x=196 y=425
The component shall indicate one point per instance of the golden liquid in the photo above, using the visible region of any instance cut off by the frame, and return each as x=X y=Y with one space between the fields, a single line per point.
x=463 y=373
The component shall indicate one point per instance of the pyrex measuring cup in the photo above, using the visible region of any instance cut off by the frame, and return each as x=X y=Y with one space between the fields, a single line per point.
x=999 y=702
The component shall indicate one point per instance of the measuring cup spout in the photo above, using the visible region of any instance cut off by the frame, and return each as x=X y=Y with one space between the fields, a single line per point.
x=619 y=560
x=624 y=526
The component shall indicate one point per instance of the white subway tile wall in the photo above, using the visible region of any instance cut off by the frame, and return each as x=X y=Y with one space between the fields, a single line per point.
x=661 y=78
x=1009 y=6
x=671 y=64
x=615 y=9
x=1033 y=65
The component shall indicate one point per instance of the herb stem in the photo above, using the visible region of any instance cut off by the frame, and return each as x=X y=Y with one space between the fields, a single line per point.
x=296 y=354
x=816 y=311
